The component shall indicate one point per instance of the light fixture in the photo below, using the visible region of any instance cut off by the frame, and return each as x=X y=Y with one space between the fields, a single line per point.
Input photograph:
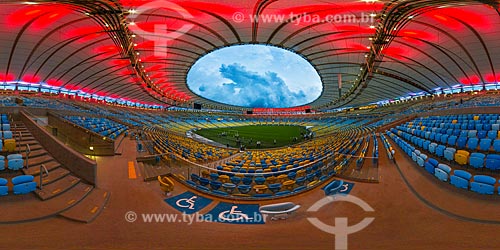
x=91 y=148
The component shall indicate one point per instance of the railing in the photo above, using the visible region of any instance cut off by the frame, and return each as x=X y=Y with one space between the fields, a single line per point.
x=42 y=173
x=28 y=152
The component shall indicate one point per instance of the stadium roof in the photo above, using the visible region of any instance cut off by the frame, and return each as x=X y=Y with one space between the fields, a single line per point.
x=142 y=50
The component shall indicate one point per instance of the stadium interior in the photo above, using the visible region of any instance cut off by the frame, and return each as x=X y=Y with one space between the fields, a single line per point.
x=105 y=146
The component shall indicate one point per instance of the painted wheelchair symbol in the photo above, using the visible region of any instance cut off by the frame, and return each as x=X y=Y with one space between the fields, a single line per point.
x=345 y=187
x=234 y=215
x=189 y=203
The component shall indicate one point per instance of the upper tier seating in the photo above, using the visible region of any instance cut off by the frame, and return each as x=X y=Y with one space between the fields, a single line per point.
x=102 y=126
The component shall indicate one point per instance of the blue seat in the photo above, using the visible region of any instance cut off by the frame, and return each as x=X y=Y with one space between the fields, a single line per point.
x=492 y=162
x=235 y=180
x=420 y=161
x=15 y=164
x=476 y=160
x=429 y=168
x=218 y=192
x=415 y=154
x=433 y=162
x=4 y=190
x=263 y=195
x=2 y=162
x=260 y=180
x=195 y=177
x=485 y=144
x=483 y=184
x=215 y=185
x=214 y=176
x=452 y=140
x=23 y=184
x=283 y=193
x=247 y=180
x=274 y=187
x=190 y=182
x=472 y=143
x=300 y=181
x=299 y=189
x=229 y=187
x=7 y=134
x=472 y=134
x=495 y=127
x=481 y=134
x=464 y=132
x=432 y=148
x=492 y=134
x=461 y=142
x=5 y=127
x=442 y=172
x=449 y=154
x=202 y=188
x=444 y=139
x=438 y=137
x=496 y=145
x=204 y=181
x=440 y=150
x=426 y=144
x=245 y=189
x=460 y=179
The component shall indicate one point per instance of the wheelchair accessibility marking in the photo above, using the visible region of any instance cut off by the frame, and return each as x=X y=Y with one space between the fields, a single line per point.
x=188 y=202
x=236 y=214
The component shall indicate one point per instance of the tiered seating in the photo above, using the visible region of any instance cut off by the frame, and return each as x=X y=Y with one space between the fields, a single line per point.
x=102 y=126
x=459 y=178
x=14 y=162
x=186 y=147
x=469 y=140
x=389 y=150
x=259 y=174
x=8 y=142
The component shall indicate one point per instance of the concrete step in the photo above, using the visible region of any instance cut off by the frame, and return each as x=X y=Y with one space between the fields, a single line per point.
x=35 y=153
x=58 y=187
x=54 y=175
x=36 y=161
x=89 y=208
x=27 y=208
x=35 y=170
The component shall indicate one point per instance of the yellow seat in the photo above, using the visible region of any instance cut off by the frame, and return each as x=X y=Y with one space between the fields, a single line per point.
x=476 y=118
x=205 y=174
x=166 y=185
x=301 y=173
x=462 y=157
x=271 y=180
x=224 y=178
x=260 y=189
x=282 y=178
x=288 y=185
x=312 y=183
x=454 y=121
x=9 y=145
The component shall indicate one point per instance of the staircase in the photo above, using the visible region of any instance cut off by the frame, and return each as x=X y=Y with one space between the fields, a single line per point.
x=61 y=193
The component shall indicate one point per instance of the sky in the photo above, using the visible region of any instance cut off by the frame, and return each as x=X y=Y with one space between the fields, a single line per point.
x=255 y=76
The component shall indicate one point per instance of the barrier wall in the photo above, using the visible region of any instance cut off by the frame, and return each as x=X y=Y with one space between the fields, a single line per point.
x=78 y=164
x=83 y=140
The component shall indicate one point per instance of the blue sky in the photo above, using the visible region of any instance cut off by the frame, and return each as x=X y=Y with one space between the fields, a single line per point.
x=255 y=76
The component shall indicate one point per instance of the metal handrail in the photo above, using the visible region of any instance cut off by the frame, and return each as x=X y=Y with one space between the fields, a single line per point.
x=28 y=152
x=42 y=167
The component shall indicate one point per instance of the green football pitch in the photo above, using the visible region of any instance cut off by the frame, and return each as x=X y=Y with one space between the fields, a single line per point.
x=250 y=135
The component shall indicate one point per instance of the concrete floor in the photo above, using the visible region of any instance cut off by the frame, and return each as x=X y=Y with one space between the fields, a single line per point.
x=425 y=218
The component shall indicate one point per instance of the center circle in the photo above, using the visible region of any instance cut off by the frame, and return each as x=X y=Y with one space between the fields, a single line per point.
x=255 y=76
